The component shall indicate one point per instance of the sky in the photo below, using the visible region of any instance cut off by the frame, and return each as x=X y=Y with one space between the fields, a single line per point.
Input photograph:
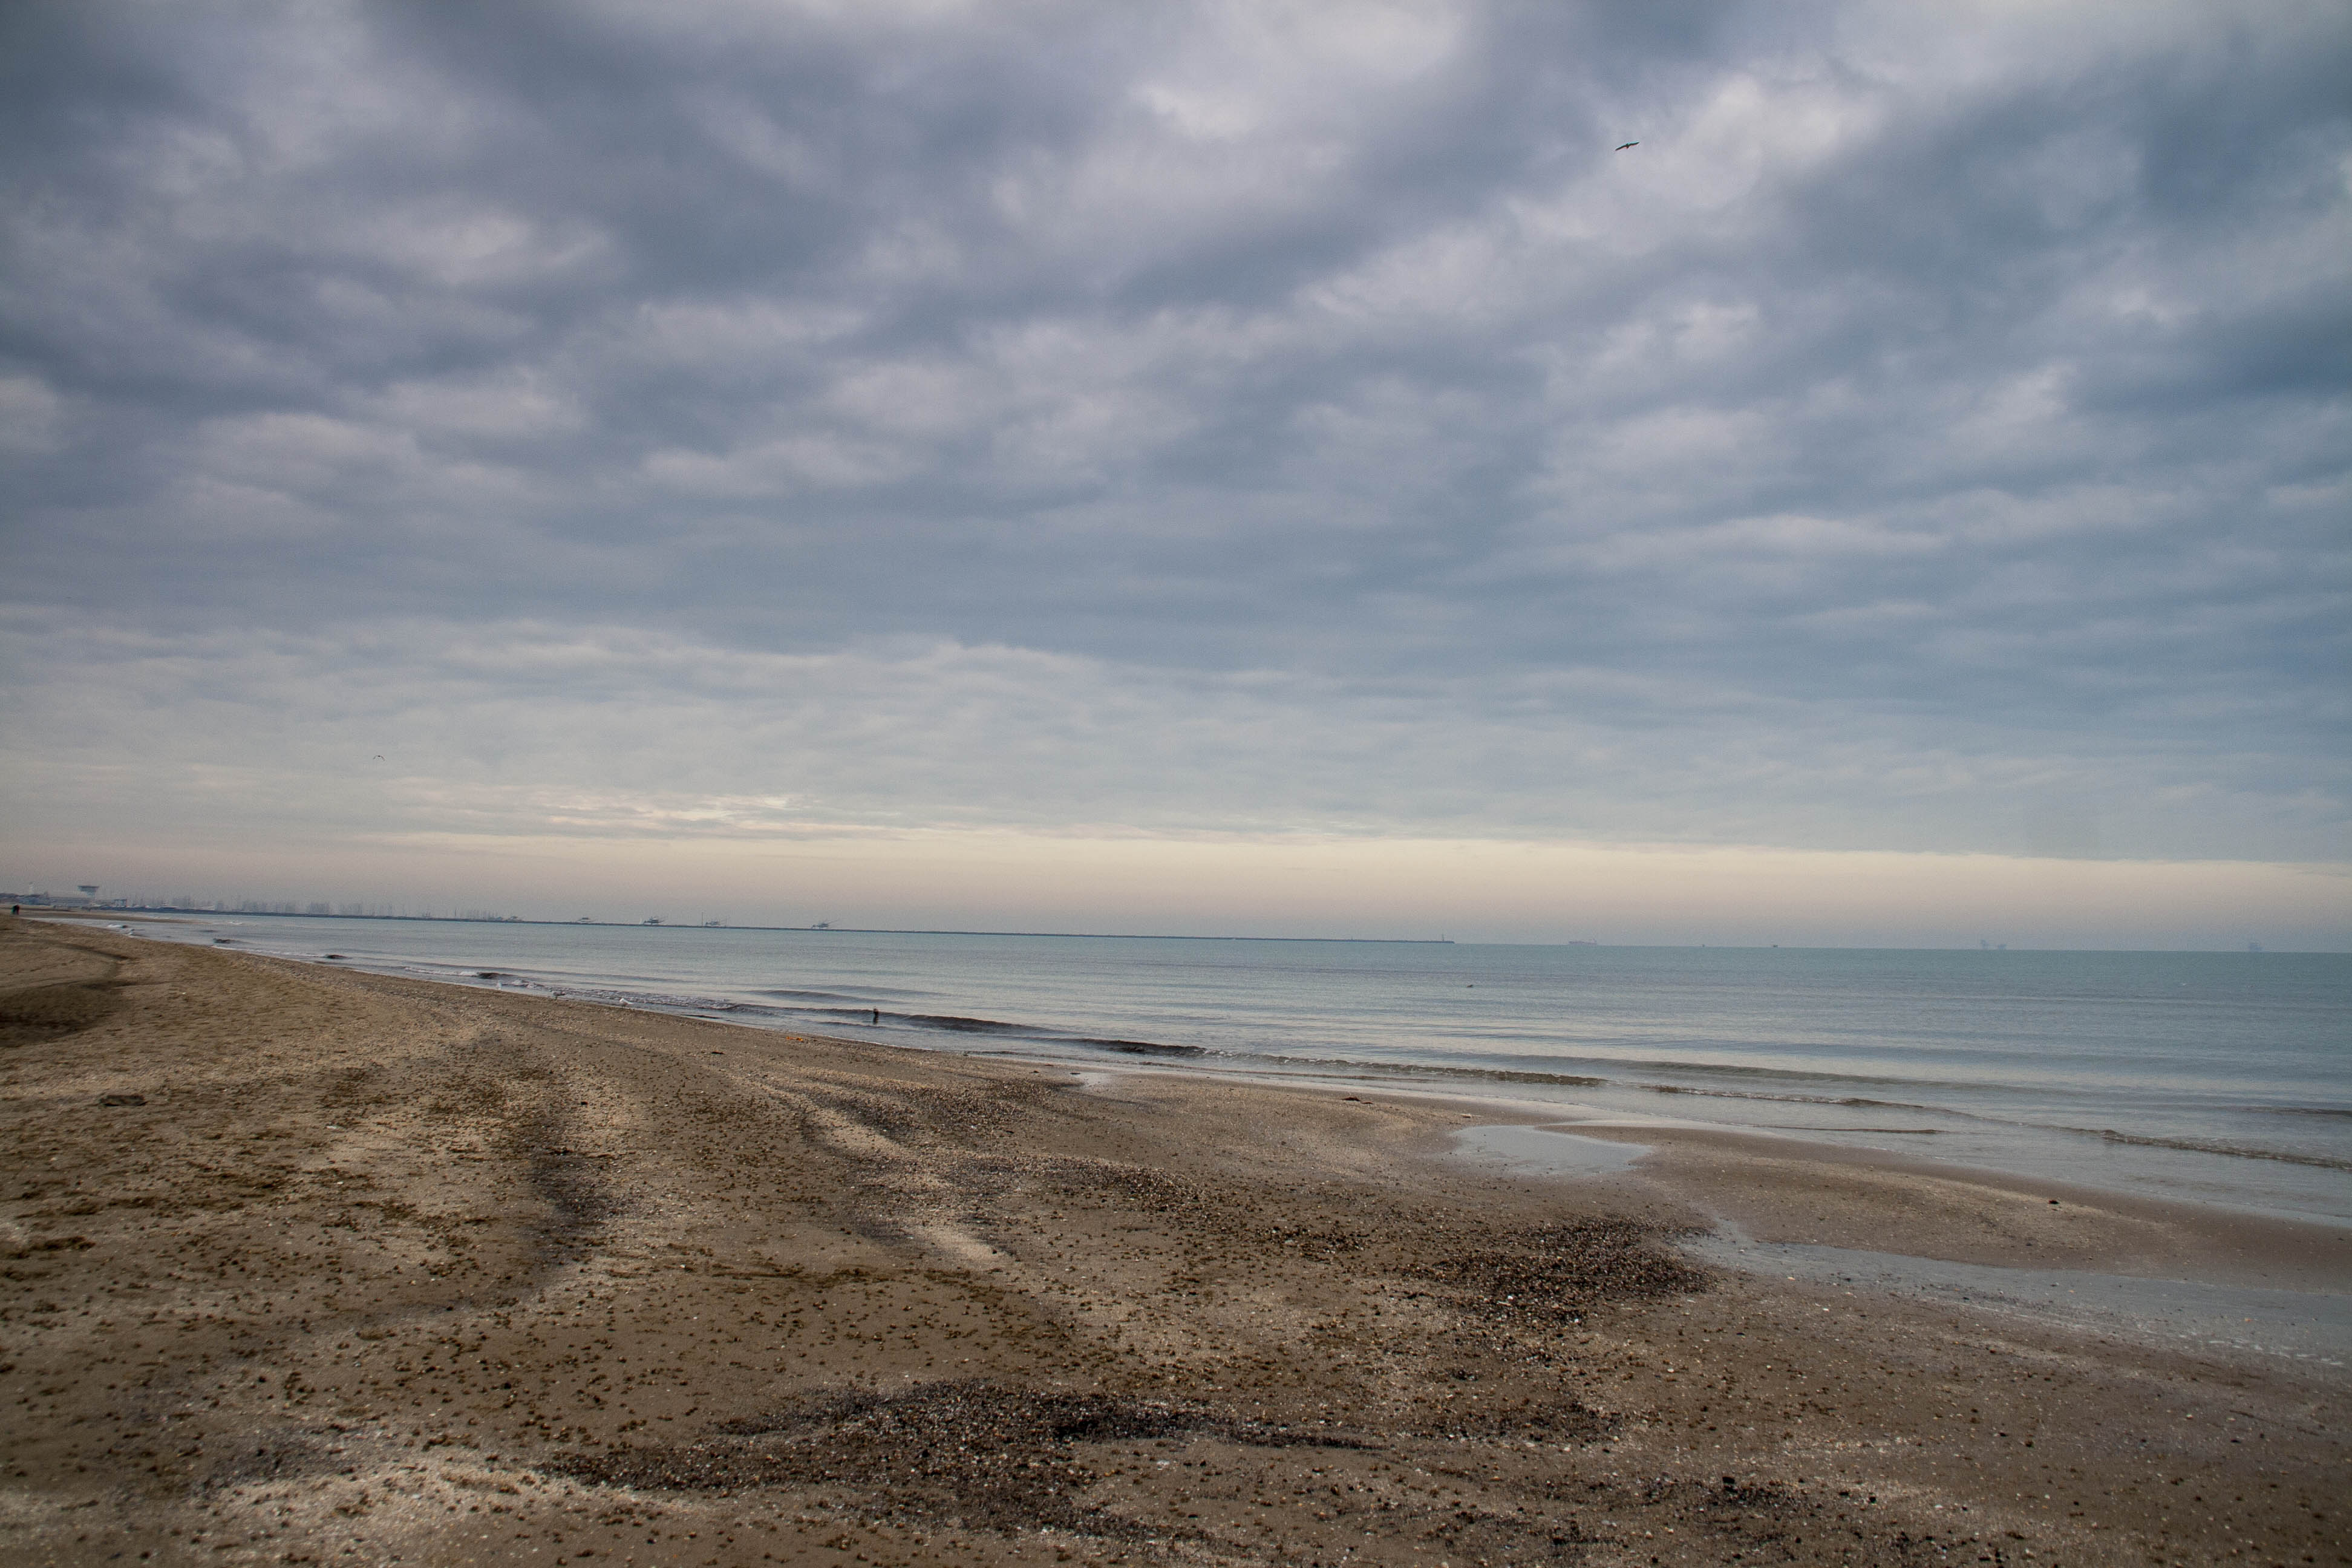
x=1258 y=466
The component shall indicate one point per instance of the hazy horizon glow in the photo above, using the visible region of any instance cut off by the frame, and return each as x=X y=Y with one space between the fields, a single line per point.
x=1388 y=889
x=1221 y=466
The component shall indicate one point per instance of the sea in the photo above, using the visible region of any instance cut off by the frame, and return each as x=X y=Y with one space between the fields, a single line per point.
x=2220 y=1077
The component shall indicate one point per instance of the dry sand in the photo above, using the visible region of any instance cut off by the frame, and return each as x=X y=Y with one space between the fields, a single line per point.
x=308 y=1265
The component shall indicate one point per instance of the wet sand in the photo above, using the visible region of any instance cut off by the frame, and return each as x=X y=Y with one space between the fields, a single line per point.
x=1784 y=1189
x=304 y=1264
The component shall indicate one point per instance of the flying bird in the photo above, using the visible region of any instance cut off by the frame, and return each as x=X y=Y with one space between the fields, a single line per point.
x=1622 y=145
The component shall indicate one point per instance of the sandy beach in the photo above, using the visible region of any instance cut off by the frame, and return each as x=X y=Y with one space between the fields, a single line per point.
x=305 y=1265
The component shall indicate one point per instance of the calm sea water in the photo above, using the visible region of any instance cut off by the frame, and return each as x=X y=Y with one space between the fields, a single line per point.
x=2225 y=1078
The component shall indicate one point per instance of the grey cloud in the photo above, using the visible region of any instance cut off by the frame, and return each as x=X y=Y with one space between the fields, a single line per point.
x=1933 y=419
x=533 y=731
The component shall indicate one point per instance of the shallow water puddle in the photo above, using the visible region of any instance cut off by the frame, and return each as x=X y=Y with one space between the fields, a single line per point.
x=1546 y=1150
x=2305 y=1326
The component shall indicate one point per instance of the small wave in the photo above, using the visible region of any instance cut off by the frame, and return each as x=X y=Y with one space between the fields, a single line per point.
x=1851 y=1102
x=2331 y=1110
x=1697 y=1069
x=1512 y=1075
x=1795 y=1075
x=1414 y=1069
x=2210 y=1146
x=1134 y=1047
x=1907 y=1132
x=768 y=1010
x=660 y=1001
x=814 y=996
x=960 y=1025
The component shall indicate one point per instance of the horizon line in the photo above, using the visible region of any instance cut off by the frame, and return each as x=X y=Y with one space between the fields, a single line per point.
x=1983 y=946
x=714 y=925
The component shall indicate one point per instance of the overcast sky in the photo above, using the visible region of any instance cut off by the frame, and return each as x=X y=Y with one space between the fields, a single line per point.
x=506 y=440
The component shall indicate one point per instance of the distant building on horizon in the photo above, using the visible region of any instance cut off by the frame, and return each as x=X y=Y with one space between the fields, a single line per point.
x=84 y=896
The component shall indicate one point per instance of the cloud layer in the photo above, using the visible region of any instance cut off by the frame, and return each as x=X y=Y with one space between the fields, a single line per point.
x=719 y=418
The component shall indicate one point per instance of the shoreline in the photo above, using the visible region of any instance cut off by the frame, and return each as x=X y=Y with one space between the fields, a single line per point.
x=1780 y=1188
x=306 y=1260
x=2047 y=1165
